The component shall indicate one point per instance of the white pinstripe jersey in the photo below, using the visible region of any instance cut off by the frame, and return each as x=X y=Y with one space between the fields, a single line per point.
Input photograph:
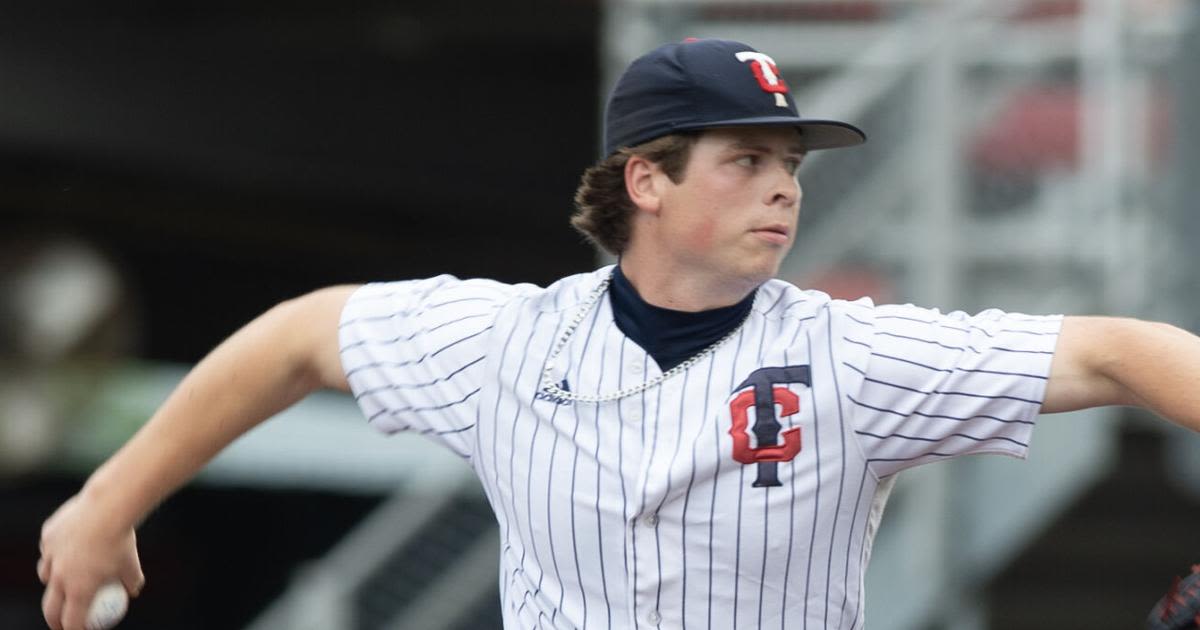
x=634 y=513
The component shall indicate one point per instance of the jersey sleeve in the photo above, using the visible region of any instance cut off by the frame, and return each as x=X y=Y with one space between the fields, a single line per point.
x=414 y=352
x=935 y=386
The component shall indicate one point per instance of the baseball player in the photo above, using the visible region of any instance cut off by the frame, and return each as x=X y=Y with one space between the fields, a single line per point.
x=678 y=440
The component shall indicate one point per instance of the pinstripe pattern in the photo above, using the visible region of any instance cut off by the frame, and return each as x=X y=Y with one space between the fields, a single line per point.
x=634 y=514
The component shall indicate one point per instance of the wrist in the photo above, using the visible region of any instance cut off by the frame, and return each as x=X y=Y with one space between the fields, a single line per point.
x=102 y=494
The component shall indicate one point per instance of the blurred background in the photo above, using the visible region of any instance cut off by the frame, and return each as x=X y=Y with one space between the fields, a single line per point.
x=169 y=171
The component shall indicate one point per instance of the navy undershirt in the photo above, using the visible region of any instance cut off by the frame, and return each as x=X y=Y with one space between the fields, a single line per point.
x=670 y=337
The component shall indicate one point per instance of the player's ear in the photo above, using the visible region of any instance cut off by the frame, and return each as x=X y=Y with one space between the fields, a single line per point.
x=642 y=182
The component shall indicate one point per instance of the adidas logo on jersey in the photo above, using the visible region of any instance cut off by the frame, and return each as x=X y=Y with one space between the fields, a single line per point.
x=558 y=400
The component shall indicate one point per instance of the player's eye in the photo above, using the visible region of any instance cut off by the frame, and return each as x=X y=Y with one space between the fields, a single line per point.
x=792 y=165
x=747 y=160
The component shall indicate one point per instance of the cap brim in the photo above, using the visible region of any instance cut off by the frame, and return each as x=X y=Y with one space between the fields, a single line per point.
x=815 y=134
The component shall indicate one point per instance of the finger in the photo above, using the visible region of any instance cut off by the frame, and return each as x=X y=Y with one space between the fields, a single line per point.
x=75 y=609
x=132 y=576
x=52 y=602
x=43 y=569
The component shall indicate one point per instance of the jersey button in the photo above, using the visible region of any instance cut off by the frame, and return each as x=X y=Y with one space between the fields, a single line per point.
x=651 y=521
x=654 y=618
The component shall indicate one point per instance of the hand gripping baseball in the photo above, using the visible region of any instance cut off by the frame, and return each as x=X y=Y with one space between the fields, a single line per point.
x=1179 y=609
x=85 y=562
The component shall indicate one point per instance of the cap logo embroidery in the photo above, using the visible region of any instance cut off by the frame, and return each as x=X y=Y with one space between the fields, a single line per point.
x=767 y=73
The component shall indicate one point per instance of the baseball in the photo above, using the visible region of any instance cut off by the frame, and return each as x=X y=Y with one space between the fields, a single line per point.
x=108 y=607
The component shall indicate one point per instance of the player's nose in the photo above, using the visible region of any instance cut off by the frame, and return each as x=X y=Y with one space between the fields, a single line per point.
x=785 y=188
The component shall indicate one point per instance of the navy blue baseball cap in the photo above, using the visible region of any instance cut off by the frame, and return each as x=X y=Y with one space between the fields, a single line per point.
x=706 y=83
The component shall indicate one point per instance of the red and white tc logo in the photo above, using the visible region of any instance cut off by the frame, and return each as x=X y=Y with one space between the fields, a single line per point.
x=767 y=73
x=763 y=396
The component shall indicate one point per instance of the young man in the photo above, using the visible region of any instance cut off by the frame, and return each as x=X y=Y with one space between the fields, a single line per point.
x=675 y=440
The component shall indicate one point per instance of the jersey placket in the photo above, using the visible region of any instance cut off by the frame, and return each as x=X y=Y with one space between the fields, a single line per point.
x=642 y=415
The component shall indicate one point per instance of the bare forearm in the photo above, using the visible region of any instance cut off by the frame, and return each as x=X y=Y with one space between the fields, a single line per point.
x=259 y=371
x=1158 y=367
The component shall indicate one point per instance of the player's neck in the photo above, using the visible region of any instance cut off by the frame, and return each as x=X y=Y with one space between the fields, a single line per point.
x=681 y=289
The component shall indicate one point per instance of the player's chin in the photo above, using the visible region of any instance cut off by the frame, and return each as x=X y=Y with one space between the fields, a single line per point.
x=768 y=255
x=754 y=252
x=758 y=269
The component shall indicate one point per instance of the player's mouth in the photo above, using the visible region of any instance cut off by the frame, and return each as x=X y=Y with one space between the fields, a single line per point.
x=776 y=233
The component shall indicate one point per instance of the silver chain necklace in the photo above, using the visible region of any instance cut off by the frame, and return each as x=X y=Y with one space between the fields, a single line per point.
x=556 y=392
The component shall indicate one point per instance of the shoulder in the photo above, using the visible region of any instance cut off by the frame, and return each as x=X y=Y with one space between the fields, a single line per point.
x=565 y=293
x=449 y=296
x=445 y=289
x=424 y=288
x=779 y=299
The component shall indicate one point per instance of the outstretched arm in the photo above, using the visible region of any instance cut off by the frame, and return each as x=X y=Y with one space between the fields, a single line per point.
x=1113 y=361
x=265 y=367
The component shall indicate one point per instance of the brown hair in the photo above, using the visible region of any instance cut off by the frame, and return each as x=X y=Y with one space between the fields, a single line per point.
x=602 y=206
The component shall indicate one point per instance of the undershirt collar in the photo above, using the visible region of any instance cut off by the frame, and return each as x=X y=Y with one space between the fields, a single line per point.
x=670 y=337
